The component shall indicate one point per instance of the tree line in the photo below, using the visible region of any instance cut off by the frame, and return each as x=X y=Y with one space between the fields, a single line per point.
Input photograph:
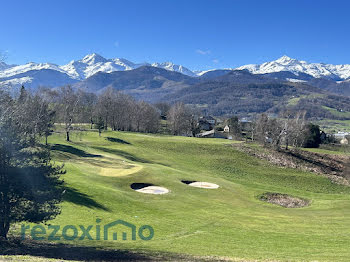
x=289 y=129
x=110 y=109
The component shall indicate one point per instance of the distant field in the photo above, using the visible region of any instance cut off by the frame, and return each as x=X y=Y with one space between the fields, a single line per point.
x=334 y=126
x=227 y=222
x=331 y=149
x=294 y=101
x=337 y=113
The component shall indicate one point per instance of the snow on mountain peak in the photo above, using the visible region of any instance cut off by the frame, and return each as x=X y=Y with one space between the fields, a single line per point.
x=172 y=67
x=77 y=70
x=285 y=63
x=4 y=66
x=285 y=60
x=93 y=59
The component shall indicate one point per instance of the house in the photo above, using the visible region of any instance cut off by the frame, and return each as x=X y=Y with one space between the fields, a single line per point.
x=212 y=134
x=343 y=137
x=345 y=140
x=226 y=129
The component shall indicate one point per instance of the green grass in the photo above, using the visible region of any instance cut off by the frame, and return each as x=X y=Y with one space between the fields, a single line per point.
x=228 y=222
x=334 y=126
x=337 y=113
x=295 y=100
x=331 y=149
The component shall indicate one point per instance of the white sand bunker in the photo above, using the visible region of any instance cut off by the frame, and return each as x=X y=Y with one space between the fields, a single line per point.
x=149 y=189
x=206 y=185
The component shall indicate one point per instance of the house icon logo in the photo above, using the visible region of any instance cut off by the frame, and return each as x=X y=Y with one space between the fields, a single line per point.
x=110 y=230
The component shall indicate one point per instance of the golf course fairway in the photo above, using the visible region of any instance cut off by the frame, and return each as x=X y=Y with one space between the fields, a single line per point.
x=229 y=222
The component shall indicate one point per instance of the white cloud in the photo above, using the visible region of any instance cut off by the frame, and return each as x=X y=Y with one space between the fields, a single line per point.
x=203 y=52
x=116 y=43
x=216 y=61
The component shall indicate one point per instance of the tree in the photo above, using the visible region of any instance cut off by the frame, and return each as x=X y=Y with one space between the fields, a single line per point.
x=312 y=135
x=100 y=125
x=180 y=119
x=235 y=127
x=261 y=129
x=293 y=125
x=68 y=102
x=163 y=108
x=87 y=107
x=30 y=186
x=146 y=118
x=49 y=124
x=105 y=104
x=288 y=130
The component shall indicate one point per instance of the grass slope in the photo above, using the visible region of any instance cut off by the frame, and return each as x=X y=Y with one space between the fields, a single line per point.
x=228 y=222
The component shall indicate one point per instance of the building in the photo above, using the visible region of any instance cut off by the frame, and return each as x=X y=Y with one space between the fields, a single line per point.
x=345 y=141
x=343 y=138
x=212 y=134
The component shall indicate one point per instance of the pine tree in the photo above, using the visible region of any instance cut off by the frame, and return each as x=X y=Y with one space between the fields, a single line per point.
x=30 y=186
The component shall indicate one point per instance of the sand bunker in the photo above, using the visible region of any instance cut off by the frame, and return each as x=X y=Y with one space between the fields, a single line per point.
x=149 y=188
x=200 y=184
x=284 y=200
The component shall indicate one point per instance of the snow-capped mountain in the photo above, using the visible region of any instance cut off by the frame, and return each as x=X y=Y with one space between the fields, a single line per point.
x=33 y=74
x=285 y=63
x=10 y=71
x=4 y=66
x=93 y=63
x=176 y=68
x=76 y=70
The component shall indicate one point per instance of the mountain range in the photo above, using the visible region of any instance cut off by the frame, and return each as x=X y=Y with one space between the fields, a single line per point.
x=321 y=89
x=35 y=74
x=316 y=70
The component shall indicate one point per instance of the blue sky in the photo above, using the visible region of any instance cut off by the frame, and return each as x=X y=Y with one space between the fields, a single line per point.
x=197 y=34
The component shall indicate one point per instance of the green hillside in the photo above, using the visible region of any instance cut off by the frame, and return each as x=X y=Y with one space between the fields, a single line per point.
x=228 y=222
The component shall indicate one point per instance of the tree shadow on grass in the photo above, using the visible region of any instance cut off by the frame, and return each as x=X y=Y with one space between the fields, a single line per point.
x=74 y=196
x=117 y=140
x=123 y=154
x=72 y=150
x=16 y=247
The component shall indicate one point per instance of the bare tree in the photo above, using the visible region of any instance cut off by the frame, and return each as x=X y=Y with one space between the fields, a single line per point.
x=261 y=129
x=68 y=101
x=291 y=129
x=105 y=104
x=180 y=119
x=34 y=114
x=87 y=107
x=149 y=118
x=163 y=109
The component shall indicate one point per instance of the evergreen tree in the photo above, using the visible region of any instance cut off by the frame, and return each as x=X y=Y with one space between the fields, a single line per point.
x=312 y=136
x=30 y=186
